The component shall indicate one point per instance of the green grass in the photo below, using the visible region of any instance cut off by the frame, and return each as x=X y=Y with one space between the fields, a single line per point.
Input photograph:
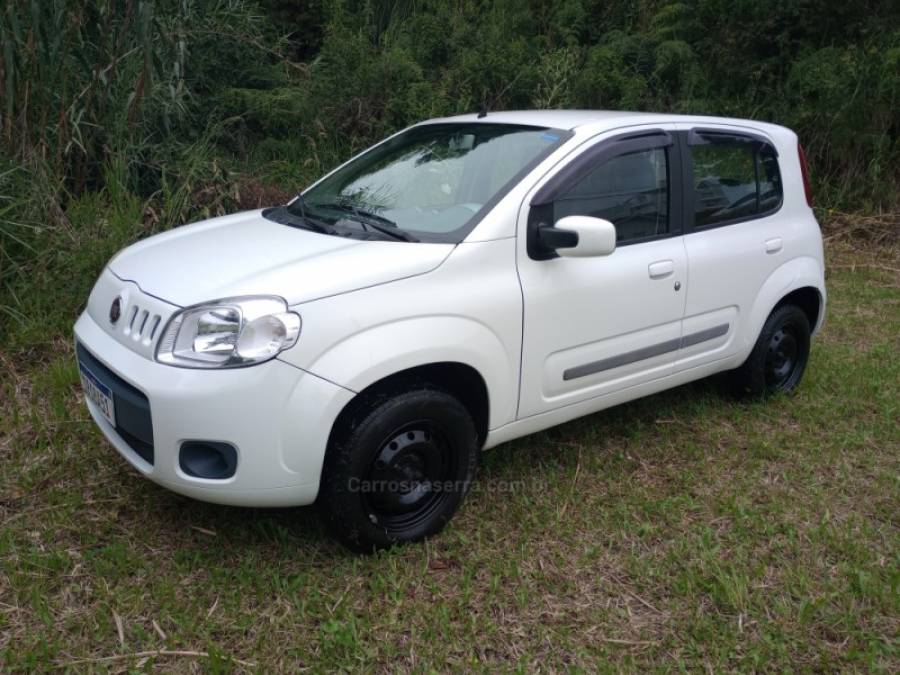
x=682 y=531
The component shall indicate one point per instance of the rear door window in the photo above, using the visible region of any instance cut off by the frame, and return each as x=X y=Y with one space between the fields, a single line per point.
x=735 y=178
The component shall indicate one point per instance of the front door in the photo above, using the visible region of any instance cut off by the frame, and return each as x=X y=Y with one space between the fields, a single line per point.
x=597 y=325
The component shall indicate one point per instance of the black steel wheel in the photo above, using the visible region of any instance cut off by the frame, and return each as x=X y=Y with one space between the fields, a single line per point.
x=783 y=357
x=397 y=468
x=407 y=473
x=779 y=357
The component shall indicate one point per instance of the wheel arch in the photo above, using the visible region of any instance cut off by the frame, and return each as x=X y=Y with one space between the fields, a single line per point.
x=448 y=350
x=807 y=298
x=799 y=281
x=460 y=380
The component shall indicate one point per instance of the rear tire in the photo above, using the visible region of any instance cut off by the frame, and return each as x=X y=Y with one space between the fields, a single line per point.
x=779 y=357
x=397 y=468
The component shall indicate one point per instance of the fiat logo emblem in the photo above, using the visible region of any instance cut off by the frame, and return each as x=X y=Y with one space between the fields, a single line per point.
x=115 y=310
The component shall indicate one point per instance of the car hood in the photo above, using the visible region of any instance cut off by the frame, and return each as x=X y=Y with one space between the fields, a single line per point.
x=246 y=254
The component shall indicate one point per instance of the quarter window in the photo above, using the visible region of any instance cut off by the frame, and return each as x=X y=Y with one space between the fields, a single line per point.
x=631 y=191
x=735 y=178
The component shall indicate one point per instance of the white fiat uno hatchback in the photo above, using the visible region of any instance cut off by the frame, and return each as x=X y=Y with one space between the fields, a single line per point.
x=465 y=282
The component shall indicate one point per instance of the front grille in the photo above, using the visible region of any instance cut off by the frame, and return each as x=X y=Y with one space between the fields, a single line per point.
x=134 y=318
x=140 y=324
x=134 y=423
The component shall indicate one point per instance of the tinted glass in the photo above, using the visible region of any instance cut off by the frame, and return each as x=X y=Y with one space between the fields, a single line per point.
x=734 y=178
x=770 y=192
x=631 y=191
x=432 y=180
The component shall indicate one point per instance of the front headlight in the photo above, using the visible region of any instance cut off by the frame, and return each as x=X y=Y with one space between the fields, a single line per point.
x=229 y=333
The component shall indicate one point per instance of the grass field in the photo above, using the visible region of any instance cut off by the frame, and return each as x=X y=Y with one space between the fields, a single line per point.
x=683 y=531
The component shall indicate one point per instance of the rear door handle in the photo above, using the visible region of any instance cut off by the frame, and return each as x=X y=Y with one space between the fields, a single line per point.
x=661 y=269
x=774 y=245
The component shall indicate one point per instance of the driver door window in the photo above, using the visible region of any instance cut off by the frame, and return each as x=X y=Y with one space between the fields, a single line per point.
x=631 y=191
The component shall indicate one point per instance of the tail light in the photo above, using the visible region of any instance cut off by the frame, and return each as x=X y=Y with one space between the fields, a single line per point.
x=804 y=171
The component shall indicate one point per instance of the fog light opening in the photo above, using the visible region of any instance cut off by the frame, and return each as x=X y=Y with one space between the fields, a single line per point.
x=208 y=459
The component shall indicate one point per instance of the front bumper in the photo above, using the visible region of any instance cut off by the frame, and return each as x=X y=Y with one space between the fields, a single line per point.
x=277 y=416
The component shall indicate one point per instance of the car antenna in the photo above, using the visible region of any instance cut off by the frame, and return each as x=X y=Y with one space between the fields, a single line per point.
x=482 y=111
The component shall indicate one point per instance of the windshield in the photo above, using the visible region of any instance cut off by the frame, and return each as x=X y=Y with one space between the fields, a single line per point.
x=430 y=183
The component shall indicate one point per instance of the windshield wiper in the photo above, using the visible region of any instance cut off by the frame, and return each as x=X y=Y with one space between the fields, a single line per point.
x=368 y=219
x=310 y=222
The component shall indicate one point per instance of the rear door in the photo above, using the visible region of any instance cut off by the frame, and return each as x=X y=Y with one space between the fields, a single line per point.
x=732 y=236
x=596 y=325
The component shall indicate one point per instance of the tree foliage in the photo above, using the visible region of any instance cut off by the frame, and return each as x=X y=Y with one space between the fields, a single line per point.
x=83 y=80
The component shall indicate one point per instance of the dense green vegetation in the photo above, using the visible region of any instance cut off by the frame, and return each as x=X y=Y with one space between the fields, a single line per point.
x=119 y=118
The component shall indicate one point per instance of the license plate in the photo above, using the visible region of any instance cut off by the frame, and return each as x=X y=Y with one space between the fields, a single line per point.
x=98 y=394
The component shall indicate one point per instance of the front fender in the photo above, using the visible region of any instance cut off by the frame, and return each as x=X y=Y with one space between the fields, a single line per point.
x=796 y=273
x=366 y=357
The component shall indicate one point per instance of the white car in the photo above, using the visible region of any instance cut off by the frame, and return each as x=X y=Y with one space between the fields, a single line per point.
x=466 y=281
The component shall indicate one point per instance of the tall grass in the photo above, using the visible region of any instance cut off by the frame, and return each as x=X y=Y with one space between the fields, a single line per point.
x=110 y=98
x=79 y=76
x=14 y=235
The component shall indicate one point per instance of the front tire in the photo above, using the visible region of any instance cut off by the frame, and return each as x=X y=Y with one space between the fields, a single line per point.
x=779 y=357
x=397 y=468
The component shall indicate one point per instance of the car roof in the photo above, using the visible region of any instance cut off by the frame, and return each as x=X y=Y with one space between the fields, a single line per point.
x=573 y=119
x=558 y=119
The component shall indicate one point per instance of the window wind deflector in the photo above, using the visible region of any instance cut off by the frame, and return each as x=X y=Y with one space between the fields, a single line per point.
x=646 y=133
x=601 y=152
x=700 y=136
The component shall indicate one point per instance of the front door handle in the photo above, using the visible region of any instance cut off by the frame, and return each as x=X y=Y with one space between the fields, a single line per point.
x=661 y=269
x=773 y=245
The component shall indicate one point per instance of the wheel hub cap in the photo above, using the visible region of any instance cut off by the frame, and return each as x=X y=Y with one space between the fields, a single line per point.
x=781 y=356
x=404 y=471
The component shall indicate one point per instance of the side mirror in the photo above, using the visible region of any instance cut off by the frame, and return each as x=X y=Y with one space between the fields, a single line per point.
x=579 y=236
